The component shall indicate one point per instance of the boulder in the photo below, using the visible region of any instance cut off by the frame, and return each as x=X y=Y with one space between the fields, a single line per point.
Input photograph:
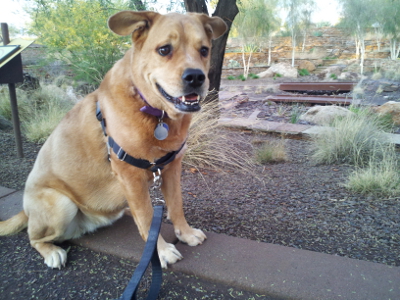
x=324 y=115
x=392 y=108
x=284 y=69
x=306 y=64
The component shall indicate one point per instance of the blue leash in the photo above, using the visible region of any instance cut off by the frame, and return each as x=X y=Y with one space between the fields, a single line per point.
x=149 y=255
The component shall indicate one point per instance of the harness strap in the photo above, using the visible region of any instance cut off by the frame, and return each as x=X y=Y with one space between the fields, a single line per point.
x=149 y=254
x=159 y=164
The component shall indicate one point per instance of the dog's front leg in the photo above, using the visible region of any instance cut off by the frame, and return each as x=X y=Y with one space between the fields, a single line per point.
x=171 y=189
x=136 y=189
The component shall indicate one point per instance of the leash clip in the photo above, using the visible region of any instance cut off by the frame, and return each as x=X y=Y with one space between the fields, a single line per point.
x=157 y=180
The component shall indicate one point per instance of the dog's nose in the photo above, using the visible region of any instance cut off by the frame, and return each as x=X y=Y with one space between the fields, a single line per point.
x=193 y=77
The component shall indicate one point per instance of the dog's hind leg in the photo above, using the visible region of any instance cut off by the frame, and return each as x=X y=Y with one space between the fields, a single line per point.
x=51 y=214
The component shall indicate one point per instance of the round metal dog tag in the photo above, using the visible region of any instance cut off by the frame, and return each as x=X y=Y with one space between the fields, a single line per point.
x=161 y=131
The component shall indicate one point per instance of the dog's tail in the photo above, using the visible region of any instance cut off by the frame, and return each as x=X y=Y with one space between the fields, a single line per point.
x=14 y=225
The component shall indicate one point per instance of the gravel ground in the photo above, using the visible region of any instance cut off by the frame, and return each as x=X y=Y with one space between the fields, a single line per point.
x=295 y=203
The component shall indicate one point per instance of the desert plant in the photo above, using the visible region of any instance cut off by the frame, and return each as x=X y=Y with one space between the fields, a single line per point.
x=43 y=121
x=379 y=177
x=210 y=146
x=303 y=72
x=88 y=53
x=277 y=75
x=352 y=139
x=253 y=76
x=231 y=77
x=295 y=113
x=271 y=151
x=333 y=76
x=241 y=77
x=22 y=101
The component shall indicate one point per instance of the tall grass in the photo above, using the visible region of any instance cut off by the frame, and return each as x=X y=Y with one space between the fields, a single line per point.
x=380 y=177
x=40 y=110
x=212 y=147
x=352 y=139
x=360 y=139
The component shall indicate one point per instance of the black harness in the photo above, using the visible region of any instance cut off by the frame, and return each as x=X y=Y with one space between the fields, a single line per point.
x=156 y=166
x=150 y=251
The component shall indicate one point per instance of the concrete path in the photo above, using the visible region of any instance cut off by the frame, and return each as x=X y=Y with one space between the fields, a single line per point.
x=271 y=270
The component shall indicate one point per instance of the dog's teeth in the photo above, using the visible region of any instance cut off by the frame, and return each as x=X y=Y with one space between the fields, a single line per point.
x=183 y=99
x=198 y=97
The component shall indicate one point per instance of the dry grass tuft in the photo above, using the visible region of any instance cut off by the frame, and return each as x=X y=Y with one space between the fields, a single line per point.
x=212 y=147
x=272 y=151
x=380 y=177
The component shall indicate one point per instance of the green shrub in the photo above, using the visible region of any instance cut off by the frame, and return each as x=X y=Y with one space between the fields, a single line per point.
x=277 y=75
x=241 y=77
x=66 y=28
x=303 y=72
x=231 y=77
x=317 y=33
x=333 y=76
x=253 y=76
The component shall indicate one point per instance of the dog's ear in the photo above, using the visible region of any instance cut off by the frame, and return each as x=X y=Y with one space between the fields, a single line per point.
x=214 y=26
x=128 y=22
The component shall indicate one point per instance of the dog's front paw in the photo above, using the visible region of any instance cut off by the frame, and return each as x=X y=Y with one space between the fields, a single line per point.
x=56 y=258
x=168 y=255
x=192 y=237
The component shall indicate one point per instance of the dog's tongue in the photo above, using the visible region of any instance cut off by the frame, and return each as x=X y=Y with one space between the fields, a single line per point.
x=190 y=97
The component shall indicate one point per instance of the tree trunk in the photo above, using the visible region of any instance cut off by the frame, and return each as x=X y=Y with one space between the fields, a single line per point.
x=198 y=6
x=269 y=50
x=293 y=48
x=227 y=10
x=136 y=5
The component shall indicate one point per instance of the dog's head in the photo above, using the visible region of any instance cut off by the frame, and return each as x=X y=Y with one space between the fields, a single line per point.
x=171 y=56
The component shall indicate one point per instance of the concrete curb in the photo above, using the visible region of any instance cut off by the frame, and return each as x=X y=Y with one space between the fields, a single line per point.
x=266 y=269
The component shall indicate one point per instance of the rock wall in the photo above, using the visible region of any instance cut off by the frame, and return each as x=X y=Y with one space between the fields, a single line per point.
x=324 y=44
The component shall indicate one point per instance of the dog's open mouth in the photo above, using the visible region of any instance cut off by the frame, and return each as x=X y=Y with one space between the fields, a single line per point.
x=185 y=103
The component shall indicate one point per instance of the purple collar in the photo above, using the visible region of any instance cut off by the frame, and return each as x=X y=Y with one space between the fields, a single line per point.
x=148 y=109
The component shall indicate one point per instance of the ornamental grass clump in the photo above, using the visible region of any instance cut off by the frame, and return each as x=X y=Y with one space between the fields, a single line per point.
x=271 y=151
x=380 y=177
x=210 y=146
x=353 y=139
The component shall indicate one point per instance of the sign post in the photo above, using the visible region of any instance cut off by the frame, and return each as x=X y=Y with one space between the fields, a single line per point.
x=11 y=73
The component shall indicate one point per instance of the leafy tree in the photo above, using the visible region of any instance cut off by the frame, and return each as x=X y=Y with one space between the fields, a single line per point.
x=389 y=17
x=299 y=12
x=358 y=16
x=75 y=32
x=256 y=18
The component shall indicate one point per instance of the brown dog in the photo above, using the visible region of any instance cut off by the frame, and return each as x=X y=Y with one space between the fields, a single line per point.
x=74 y=187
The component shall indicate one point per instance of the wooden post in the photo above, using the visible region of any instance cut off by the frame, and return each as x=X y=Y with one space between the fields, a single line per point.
x=13 y=100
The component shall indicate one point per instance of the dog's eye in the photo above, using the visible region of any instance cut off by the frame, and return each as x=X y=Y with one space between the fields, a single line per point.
x=165 y=50
x=204 y=51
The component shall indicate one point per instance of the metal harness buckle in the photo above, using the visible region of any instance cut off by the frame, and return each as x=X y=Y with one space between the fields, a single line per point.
x=157 y=180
